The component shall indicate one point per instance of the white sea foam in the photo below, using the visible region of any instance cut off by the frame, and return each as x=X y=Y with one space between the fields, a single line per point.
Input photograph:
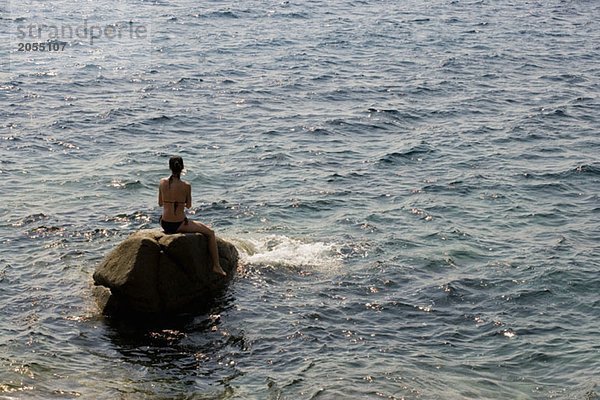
x=286 y=252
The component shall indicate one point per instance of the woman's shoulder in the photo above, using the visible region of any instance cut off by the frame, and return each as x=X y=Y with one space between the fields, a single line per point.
x=165 y=181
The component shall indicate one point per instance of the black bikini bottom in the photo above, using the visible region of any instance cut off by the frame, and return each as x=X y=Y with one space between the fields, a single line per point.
x=170 y=227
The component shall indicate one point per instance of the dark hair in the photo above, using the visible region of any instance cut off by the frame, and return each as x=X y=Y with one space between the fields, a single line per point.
x=176 y=166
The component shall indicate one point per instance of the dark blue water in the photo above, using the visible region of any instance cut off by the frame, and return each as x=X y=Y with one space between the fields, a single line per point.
x=414 y=188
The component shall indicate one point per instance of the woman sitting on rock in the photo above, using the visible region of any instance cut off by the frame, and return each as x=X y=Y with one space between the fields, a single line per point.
x=173 y=196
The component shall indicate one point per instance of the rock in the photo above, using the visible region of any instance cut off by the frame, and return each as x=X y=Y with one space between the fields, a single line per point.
x=152 y=272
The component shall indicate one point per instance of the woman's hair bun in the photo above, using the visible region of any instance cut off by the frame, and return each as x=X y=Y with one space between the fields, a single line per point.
x=176 y=164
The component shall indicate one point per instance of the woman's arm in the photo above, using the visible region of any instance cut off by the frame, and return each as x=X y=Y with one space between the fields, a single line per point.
x=188 y=198
x=160 y=199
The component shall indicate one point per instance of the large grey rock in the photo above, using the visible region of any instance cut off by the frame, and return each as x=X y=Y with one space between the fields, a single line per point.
x=152 y=272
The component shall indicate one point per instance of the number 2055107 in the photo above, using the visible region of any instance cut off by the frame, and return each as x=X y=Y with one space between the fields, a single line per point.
x=44 y=46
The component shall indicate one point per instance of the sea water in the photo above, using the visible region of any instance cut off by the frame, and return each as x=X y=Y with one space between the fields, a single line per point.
x=413 y=187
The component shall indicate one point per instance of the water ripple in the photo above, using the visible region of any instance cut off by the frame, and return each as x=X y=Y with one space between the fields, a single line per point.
x=413 y=188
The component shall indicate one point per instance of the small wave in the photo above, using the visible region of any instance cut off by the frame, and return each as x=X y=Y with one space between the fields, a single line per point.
x=275 y=156
x=292 y=15
x=352 y=176
x=138 y=216
x=116 y=112
x=315 y=205
x=30 y=219
x=282 y=251
x=185 y=80
x=554 y=113
x=120 y=184
x=411 y=154
x=419 y=20
x=46 y=231
x=65 y=145
x=394 y=114
x=508 y=333
x=569 y=78
x=587 y=169
x=216 y=14
x=582 y=169
x=162 y=118
x=9 y=87
x=94 y=67
x=317 y=130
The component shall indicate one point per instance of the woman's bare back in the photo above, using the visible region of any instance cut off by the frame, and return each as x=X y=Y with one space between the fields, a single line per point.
x=174 y=196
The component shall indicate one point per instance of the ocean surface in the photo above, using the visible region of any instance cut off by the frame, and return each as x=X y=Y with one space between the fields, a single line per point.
x=414 y=188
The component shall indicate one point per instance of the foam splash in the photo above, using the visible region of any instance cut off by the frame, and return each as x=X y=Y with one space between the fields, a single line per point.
x=282 y=251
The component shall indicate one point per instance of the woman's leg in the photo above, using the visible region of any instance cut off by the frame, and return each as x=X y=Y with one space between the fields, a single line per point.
x=193 y=227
